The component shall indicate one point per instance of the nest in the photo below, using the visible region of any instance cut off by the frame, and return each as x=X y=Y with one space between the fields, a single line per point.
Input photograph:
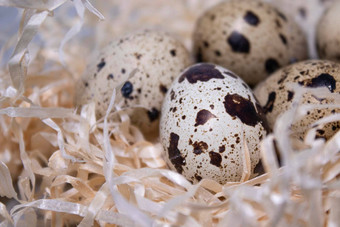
x=62 y=167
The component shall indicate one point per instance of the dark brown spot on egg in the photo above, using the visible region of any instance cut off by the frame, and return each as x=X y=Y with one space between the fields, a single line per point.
x=218 y=53
x=283 y=39
x=86 y=84
x=199 y=147
x=172 y=95
x=278 y=23
x=206 y=44
x=237 y=106
x=323 y=80
x=280 y=14
x=270 y=102
x=271 y=65
x=163 y=89
x=197 y=177
x=101 y=65
x=302 y=12
x=173 y=52
x=238 y=42
x=201 y=72
x=153 y=114
x=110 y=76
x=203 y=116
x=138 y=55
x=215 y=158
x=127 y=89
x=290 y=95
x=174 y=153
x=221 y=149
x=123 y=70
x=251 y=18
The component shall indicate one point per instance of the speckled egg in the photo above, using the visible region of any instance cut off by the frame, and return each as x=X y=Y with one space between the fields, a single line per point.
x=207 y=116
x=275 y=94
x=307 y=14
x=328 y=33
x=249 y=37
x=157 y=56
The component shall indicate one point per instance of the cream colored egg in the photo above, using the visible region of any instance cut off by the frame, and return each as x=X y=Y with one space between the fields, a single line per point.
x=275 y=95
x=208 y=118
x=328 y=33
x=158 y=58
x=249 y=37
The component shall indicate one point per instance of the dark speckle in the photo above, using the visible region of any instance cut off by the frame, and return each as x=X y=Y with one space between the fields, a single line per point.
x=270 y=102
x=127 y=89
x=201 y=72
x=172 y=95
x=198 y=178
x=163 y=89
x=174 y=153
x=251 y=18
x=206 y=44
x=199 y=147
x=153 y=114
x=238 y=42
x=271 y=65
x=215 y=158
x=237 y=106
x=123 y=71
x=86 y=84
x=278 y=23
x=101 y=65
x=218 y=53
x=203 y=116
x=280 y=14
x=323 y=79
x=290 y=95
x=110 y=76
x=221 y=149
x=173 y=52
x=138 y=56
x=283 y=39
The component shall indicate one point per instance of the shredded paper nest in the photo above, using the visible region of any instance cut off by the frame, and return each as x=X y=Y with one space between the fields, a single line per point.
x=60 y=166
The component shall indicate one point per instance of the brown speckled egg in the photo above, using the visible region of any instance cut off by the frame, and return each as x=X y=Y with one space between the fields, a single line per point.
x=157 y=56
x=328 y=33
x=249 y=37
x=207 y=116
x=276 y=97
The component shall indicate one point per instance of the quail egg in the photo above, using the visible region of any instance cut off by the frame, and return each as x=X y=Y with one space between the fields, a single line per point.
x=275 y=96
x=158 y=58
x=208 y=116
x=328 y=33
x=249 y=37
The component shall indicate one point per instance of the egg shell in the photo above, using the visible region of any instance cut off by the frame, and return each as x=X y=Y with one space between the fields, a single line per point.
x=275 y=96
x=328 y=33
x=249 y=37
x=307 y=14
x=206 y=116
x=157 y=56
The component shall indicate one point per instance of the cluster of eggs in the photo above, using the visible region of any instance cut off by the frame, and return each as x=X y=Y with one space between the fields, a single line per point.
x=209 y=119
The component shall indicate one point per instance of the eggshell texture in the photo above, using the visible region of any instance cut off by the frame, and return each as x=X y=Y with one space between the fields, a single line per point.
x=251 y=38
x=207 y=115
x=328 y=33
x=276 y=97
x=157 y=56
